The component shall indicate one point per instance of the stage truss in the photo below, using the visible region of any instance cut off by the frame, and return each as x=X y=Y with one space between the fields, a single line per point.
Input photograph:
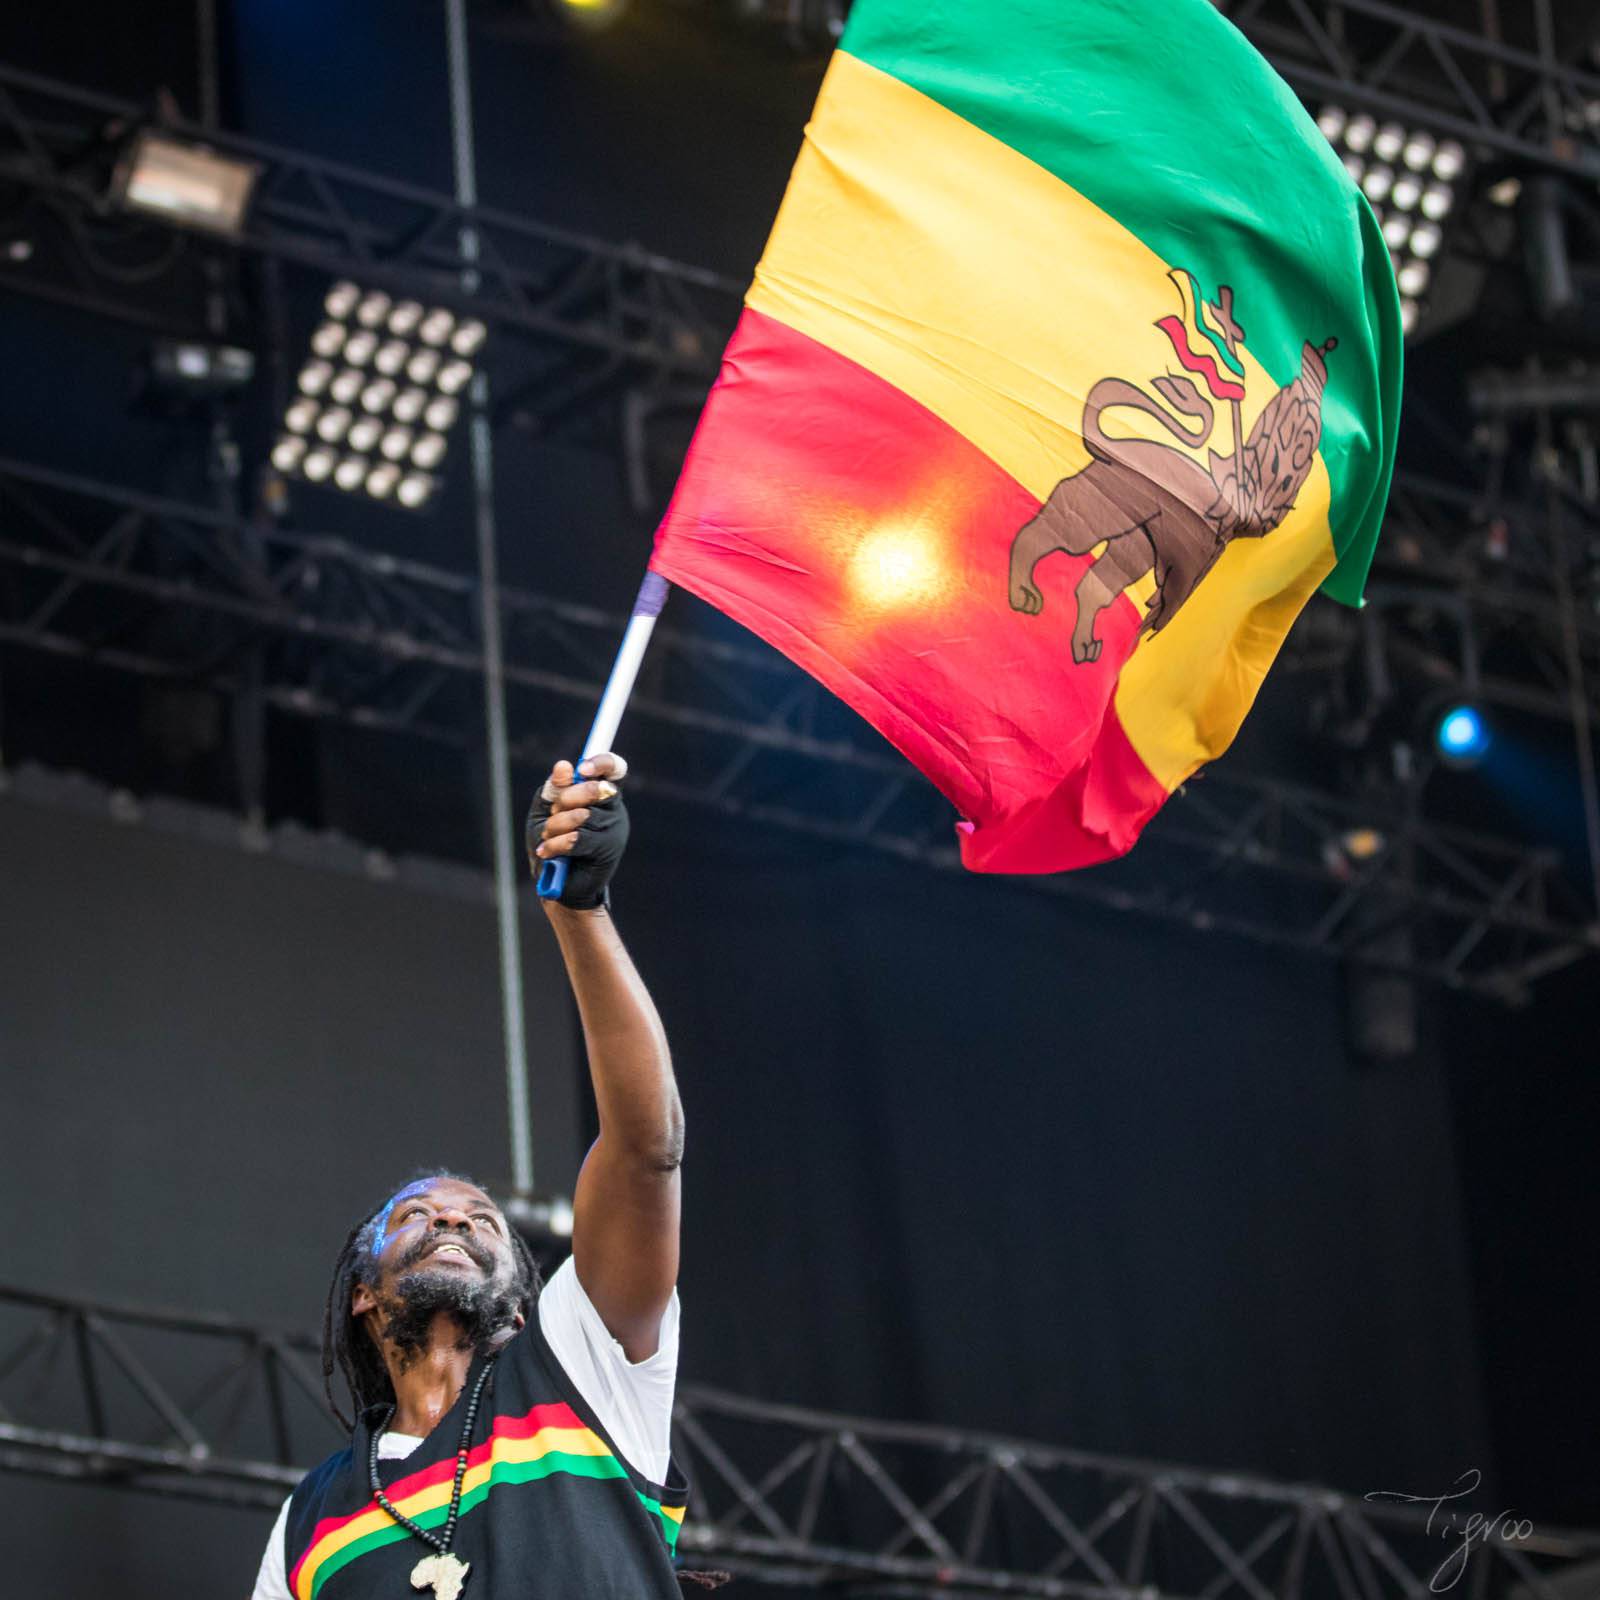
x=591 y=317
x=335 y=631
x=213 y=1409
x=1457 y=81
x=600 y=319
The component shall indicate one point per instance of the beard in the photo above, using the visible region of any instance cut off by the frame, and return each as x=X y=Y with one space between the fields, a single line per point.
x=481 y=1307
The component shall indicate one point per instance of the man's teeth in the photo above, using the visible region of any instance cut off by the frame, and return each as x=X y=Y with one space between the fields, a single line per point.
x=454 y=1250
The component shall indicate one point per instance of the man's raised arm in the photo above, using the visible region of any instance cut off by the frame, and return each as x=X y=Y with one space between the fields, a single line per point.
x=625 y=1211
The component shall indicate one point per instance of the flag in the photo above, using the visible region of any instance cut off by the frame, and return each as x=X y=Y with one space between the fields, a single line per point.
x=1070 y=371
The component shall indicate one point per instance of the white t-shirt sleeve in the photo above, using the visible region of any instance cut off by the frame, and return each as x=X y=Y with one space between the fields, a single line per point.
x=632 y=1399
x=272 y=1582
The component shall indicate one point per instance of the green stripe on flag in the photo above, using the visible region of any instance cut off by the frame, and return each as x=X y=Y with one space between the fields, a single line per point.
x=1176 y=126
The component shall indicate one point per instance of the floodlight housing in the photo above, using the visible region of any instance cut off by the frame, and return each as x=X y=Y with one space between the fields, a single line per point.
x=1409 y=178
x=187 y=367
x=185 y=184
x=378 y=395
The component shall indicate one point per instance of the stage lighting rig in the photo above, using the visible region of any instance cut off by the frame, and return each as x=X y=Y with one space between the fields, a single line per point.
x=184 y=183
x=594 y=14
x=1345 y=854
x=186 y=368
x=1410 y=179
x=378 y=396
x=1461 y=735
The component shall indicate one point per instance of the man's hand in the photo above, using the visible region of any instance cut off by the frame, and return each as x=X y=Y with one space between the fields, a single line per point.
x=580 y=816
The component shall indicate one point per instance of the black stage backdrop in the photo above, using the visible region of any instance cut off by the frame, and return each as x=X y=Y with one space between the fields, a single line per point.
x=957 y=1151
x=211 y=1064
x=1005 y=1161
x=1527 y=1100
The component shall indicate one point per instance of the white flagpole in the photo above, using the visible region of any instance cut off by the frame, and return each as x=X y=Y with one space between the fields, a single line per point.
x=647 y=606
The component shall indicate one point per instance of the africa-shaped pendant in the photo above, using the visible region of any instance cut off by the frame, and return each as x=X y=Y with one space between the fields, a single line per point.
x=444 y=1573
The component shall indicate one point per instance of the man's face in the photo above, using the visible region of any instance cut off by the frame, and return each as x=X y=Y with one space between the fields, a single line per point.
x=439 y=1245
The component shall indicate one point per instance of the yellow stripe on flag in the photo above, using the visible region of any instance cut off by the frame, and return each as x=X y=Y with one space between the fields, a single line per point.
x=984 y=288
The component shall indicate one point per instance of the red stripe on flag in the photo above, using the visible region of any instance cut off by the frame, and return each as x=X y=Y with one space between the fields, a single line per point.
x=869 y=541
x=1106 y=802
x=1201 y=361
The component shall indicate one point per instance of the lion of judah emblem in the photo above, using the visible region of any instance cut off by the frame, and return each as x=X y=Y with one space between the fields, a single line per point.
x=1154 y=507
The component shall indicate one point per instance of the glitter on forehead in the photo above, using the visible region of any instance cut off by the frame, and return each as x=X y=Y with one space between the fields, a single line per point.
x=378 y=1227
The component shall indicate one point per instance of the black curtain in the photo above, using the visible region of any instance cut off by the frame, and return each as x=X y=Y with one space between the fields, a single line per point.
x=963 y=1152
x=1527 y=1112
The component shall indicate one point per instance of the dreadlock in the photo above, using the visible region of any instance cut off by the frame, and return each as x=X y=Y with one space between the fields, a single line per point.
x=345 y=1345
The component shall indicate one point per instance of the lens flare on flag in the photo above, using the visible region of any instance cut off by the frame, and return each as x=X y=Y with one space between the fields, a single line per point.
x=897 y=566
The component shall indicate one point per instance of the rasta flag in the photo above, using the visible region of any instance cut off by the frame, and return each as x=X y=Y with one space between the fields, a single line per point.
x=1070 y=371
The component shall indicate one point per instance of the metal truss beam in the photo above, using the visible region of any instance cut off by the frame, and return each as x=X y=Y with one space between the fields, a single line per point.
x=199 y=1407
x=1512 y=644
x=182 y=595
x=879 y=1508
x=210 y=1408
x=621 y=305
x=1517 y=101
x=1522 y=104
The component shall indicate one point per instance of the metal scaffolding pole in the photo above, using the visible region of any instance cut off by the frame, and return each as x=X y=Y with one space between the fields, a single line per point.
x=1561 y=566
x=513 y=1019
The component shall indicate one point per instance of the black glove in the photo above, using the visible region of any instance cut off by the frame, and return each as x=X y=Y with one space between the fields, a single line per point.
x=594 y=857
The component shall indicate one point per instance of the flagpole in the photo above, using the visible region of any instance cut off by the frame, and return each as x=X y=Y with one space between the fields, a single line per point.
x=647 y=606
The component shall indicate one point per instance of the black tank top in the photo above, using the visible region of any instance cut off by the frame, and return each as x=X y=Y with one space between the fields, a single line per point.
x=548 y=1506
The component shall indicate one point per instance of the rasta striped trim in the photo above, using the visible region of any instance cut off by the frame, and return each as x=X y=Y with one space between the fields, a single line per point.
x=547 y=1440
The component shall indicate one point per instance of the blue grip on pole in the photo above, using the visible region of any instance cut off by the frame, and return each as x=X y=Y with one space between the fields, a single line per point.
x=552 y=877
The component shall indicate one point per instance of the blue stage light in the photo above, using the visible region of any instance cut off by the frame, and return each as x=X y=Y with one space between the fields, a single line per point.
x=1462 y=735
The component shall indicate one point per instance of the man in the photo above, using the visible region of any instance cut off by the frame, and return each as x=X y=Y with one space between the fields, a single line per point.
x=508 y=1440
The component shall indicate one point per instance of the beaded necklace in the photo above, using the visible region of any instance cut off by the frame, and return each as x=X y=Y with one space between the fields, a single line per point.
x=444 y=1573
